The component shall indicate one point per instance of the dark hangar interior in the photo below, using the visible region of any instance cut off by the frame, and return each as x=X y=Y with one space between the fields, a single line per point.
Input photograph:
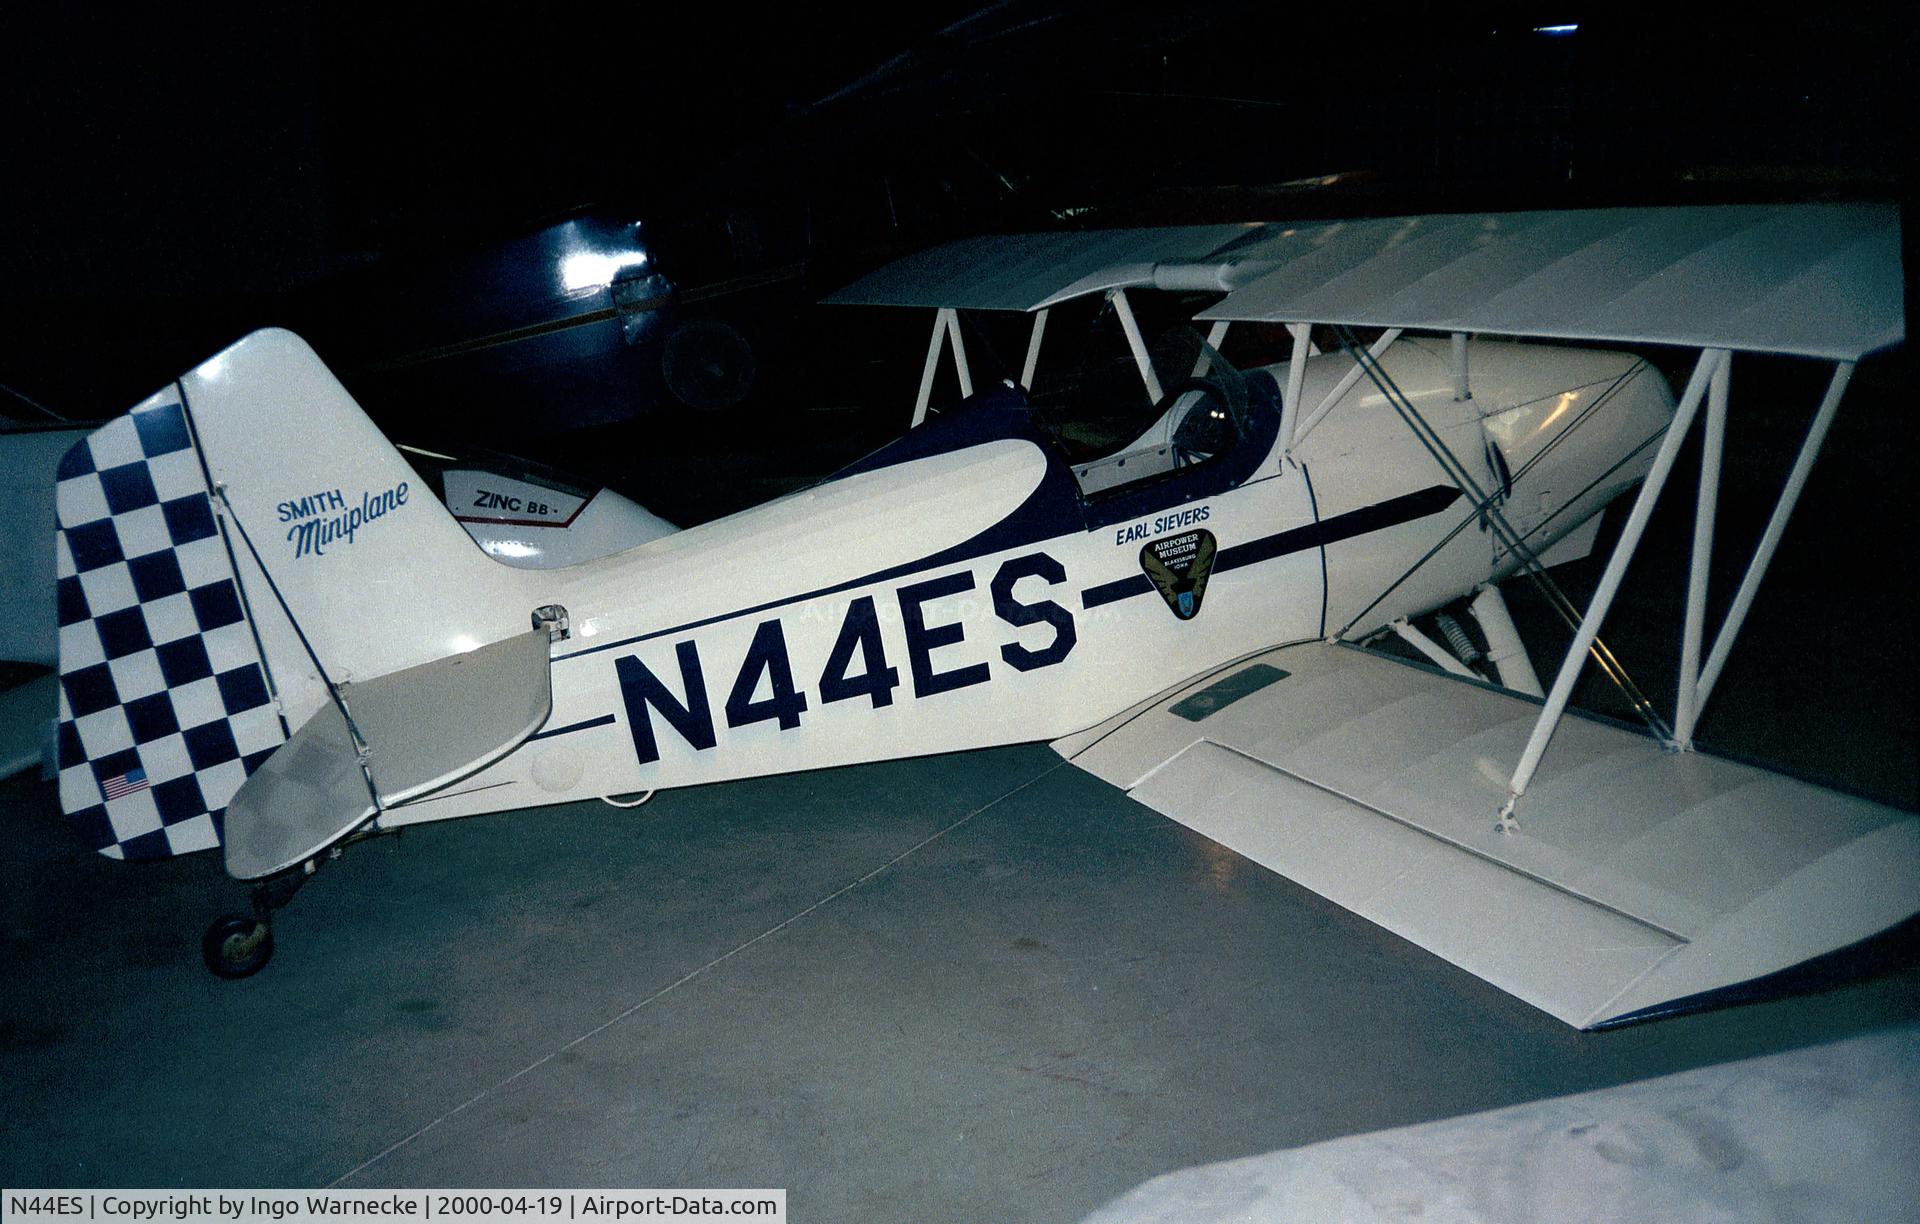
x=970 y=986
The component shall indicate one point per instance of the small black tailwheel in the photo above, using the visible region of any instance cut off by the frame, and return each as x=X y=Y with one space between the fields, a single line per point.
x=237 y=945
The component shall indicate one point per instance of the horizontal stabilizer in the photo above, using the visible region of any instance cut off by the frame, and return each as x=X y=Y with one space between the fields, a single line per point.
x=308 y=795
x=1639 y=879
x=424 y=727
x=26 y=712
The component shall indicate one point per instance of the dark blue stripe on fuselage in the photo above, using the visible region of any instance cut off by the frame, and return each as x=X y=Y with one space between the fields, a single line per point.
x=1390 y=513
x=1032 y=525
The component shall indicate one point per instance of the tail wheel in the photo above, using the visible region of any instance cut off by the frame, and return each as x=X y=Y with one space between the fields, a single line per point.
x=237 y=946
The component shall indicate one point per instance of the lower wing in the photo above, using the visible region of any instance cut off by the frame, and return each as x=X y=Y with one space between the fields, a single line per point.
x=1639 y=882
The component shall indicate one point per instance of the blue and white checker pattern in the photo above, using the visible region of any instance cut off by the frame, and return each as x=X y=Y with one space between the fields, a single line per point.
x=159 y=669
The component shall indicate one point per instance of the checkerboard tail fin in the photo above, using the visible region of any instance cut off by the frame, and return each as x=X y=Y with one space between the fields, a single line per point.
x=229 y=551
x=164 y=704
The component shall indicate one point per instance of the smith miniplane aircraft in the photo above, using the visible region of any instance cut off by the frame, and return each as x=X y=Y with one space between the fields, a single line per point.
x=275 y=639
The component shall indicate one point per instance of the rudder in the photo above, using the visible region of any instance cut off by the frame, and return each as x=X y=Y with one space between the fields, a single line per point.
x=228 y=552
x=164 y=705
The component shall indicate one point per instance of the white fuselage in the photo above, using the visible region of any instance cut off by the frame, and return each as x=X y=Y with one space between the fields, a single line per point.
x=899 y=611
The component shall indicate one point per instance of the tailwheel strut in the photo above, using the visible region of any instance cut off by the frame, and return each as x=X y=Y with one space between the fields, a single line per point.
x=240 y=945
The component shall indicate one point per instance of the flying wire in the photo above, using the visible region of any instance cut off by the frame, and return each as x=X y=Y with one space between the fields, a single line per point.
x=1436 y=446
x=33 y=403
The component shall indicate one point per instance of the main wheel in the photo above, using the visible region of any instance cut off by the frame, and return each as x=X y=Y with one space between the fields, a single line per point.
x=237 y=946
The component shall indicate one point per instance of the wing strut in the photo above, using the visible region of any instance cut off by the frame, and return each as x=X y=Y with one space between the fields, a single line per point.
x=1216 y=336
x=946 y=325
x=1701 y=684
x=1296 y=379
x=1345 y=384
x=1705 y=371
x=1457 y=472
x=1033 y=348
x=1711 y=377
x=1706 y=502
x=1131 y=326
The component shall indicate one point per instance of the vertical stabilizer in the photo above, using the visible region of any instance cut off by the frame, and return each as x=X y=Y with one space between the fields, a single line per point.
x=227 y=553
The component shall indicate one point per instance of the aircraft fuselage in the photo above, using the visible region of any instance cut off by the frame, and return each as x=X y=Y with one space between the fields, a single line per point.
x=963 y=599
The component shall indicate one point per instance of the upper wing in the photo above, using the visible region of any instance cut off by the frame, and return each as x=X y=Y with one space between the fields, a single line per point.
x=1030 y=271
x=1813 y=280
x=1816 y=280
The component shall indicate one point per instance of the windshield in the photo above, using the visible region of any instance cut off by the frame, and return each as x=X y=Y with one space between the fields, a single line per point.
x=1087 y=390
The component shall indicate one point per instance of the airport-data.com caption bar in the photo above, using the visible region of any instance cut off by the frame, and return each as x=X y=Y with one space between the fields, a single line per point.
x=385 y=1206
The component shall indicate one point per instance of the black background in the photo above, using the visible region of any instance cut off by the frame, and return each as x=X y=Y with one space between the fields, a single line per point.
x=174 y=173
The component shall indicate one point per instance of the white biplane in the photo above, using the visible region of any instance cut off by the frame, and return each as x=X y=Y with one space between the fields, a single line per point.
x=271 y=638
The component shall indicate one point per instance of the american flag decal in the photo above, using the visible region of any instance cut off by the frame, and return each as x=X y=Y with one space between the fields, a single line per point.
x=124 y=784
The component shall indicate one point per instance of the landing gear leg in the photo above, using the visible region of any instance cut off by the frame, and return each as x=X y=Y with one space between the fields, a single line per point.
x=240 y=945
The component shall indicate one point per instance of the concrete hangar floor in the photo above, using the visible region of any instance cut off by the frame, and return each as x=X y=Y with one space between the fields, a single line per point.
x=976 y=987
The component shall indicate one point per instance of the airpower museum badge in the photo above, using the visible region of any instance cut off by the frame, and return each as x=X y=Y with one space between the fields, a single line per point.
x=1179 y=566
